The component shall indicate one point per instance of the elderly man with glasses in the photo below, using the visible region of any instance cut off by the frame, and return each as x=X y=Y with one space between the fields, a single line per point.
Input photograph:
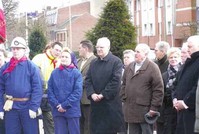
x=103 y=83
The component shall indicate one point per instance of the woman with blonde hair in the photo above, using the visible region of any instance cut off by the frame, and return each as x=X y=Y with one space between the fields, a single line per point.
x=169 y=112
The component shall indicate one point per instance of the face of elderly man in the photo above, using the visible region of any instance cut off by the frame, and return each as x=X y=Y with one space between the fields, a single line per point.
x=141 y=52
x=103 y=47
x=193 y=44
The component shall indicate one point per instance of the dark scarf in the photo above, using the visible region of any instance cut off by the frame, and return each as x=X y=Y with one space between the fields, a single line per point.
x=13 y=63
x=62 y=67
x=172 y=74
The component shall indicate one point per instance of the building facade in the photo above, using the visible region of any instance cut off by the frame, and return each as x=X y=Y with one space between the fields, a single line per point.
x=167 y=20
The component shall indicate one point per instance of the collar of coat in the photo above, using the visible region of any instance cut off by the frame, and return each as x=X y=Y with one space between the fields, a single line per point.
x=143 y=67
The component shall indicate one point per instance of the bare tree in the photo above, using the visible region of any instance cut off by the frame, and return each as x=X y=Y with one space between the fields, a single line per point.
x=10 y=8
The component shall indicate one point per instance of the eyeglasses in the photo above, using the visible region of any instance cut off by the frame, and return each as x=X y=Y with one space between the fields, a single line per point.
x=98 y=47
x=16 y=43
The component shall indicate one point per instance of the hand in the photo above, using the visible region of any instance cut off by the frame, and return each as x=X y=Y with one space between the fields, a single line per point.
x=180 y=105
x=32 y=114
x=39 y=112
x=174 y=101
x=152 y=113
x=8 y=105
x=97 y=97
x=60 y=109
x=1 y=115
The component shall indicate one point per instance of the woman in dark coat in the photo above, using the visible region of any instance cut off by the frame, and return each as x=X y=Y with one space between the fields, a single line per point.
x=169 y=113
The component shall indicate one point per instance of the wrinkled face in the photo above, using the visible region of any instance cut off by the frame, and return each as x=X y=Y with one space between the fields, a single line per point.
x=174 y=59
x=102 y=50
x=159 y=54
x=82 y=51
x=192 y=48
x=56 y=51
x=65 y=58
x=140 y=55
x=184 y=55
x=18 y=52
x=128 y=58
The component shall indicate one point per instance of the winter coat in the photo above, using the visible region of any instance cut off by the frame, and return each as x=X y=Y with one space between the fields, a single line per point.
x=197 y=109
x=104 y=77
x=141 y=91
x=85 y=67
x=65 y=88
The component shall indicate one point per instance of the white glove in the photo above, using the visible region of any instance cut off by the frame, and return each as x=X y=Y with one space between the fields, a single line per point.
x=39 y=112
x=1 y=115
x=32 y=114
x=8 y=105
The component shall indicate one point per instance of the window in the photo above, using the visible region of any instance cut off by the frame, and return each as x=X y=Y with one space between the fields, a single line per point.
x=169 y=27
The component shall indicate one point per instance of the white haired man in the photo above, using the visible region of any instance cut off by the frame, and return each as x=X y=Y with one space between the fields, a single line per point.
x=185 y=89
x=103 y=82
x=141 y=92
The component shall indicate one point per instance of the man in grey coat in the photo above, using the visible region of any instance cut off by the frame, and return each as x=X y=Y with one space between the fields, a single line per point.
x=142 y=91
x=86 y=56
x=103 y=82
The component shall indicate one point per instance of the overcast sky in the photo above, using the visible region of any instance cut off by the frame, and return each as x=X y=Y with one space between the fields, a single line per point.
x=33 y=5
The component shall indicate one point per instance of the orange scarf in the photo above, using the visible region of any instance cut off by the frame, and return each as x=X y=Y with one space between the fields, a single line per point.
x=53 y=60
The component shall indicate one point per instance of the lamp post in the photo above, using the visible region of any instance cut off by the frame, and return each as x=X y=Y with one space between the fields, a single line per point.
x=26 y=28
x=70 y=27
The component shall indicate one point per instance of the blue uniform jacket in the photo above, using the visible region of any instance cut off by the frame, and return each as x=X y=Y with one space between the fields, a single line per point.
x=23 y=82
x=65 y=88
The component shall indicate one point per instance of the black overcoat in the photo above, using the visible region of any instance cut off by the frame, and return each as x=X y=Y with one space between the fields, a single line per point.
x=104 y=77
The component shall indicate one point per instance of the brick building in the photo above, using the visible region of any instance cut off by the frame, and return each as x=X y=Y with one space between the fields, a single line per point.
x=69 y=24
x=169 y=20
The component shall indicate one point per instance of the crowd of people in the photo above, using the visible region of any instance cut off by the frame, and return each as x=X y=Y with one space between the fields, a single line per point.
x=100 y=94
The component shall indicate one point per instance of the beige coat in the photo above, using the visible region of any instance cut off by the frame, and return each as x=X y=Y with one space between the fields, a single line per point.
x=197 y=109
x=84 y=70
x=141 y=91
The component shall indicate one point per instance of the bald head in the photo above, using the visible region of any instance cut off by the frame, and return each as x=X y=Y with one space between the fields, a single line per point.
x=103 y=46
x=193 y=44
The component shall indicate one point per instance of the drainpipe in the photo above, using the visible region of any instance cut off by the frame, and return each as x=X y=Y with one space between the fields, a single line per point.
x=197 y=16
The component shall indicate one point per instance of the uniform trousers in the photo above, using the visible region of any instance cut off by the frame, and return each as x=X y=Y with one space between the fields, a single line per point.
x=65 y=125
x=17 y=121
x=2 y=126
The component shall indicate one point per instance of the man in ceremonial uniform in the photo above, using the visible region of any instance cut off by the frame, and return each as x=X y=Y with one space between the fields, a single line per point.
x=21 y=83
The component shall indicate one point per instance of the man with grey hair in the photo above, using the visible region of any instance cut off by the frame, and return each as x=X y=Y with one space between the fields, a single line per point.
x=185 y=89
x=103 y=82
x=184 y=52
x=161 y=49
x=141 y=92
x=128 y=57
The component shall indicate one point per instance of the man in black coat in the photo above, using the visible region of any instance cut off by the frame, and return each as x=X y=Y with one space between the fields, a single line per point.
x=103 y=82
x=185 y=89
x=161 y=49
